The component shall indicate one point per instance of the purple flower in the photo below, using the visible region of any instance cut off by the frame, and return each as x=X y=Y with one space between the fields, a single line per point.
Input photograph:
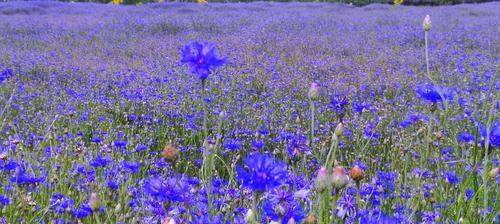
x=432 y=93
x=346 y=207
x=200 y=58
x=263 y=173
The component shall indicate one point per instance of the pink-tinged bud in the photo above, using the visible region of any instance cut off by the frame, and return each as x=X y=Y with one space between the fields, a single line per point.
x=339 y=179
x=356 y=173
x=313 y=90
x=291 y=221
x=427 y=23
x=339 y=130
x=323 y=180
x=94 y=202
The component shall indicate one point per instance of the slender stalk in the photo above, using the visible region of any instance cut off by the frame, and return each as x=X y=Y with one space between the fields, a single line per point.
x=427 y=54
x=204 y=109
x=311 y=134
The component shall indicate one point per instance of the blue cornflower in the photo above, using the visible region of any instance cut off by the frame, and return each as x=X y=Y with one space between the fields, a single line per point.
x=232 y=144
x=339 y=104
x=282 y=206
x=165 y=189
x=432 y=93
x=120 y=143
x=263 y=173
x=200 y=58
x=5 y=74
x=494 y=134
x=451 y=177
x=469 y=193
x=4 y=200
x=298 y=146
x=100 y=161
x=346 y=207
x=465 y=137
x=131 y=166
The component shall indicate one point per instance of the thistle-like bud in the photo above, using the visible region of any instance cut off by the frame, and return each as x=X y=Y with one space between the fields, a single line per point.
x=356 y=173
x=94 y=202
x=339 y=179
x=311 y=219
x=250 y=216
x=291 y=221
x=494 y=172
x=313 y=90
x=339 y=130
x=169 y=153
x=323 y=180
x=427 y=23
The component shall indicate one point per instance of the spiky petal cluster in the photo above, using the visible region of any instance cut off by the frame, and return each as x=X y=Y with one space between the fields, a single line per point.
x=200 y=58
x=262 y=172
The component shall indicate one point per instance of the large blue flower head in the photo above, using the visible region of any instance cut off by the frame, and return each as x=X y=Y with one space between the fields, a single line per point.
x=263 y=172
x=200 y=58
x=432 y=93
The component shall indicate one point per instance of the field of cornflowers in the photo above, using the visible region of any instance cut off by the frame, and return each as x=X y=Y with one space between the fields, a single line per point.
x=249 y=113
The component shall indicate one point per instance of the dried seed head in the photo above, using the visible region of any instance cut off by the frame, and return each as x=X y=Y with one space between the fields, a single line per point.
x=356 y=173
x=311 y=219
x=170 y=153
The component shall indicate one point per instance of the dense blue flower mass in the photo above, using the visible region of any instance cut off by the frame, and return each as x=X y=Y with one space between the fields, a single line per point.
x=200 y=58
x=432 y=93
x=263 y=172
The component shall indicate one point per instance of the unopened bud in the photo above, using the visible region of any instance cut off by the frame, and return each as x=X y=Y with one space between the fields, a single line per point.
x=322 y=180
x=169 y=153
x=311 y=219
x=291 y=221
x=313 y=90
x=356 y=173
x=427 y=23
x=94 y=201
x=339 y=130
x=339 y=179
x=494 y=172
x=250 y=216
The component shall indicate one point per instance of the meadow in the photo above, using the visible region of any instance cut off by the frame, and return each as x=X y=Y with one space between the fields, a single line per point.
x=249 y=113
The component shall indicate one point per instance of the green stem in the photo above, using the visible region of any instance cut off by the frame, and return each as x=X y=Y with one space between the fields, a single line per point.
x=311 y=134
x=204 y=108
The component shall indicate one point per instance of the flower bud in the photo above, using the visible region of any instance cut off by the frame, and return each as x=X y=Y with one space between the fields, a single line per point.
x=94 y=202
x=339 y=179
x=250 y=216
x=356 y=173
x=169 y=153
x=494 y=172
x=291 y=221
x=427 y=23
x=311 y=219
x=3 y=156
x=339 y=130
x=322 y=180
x=313 y=90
